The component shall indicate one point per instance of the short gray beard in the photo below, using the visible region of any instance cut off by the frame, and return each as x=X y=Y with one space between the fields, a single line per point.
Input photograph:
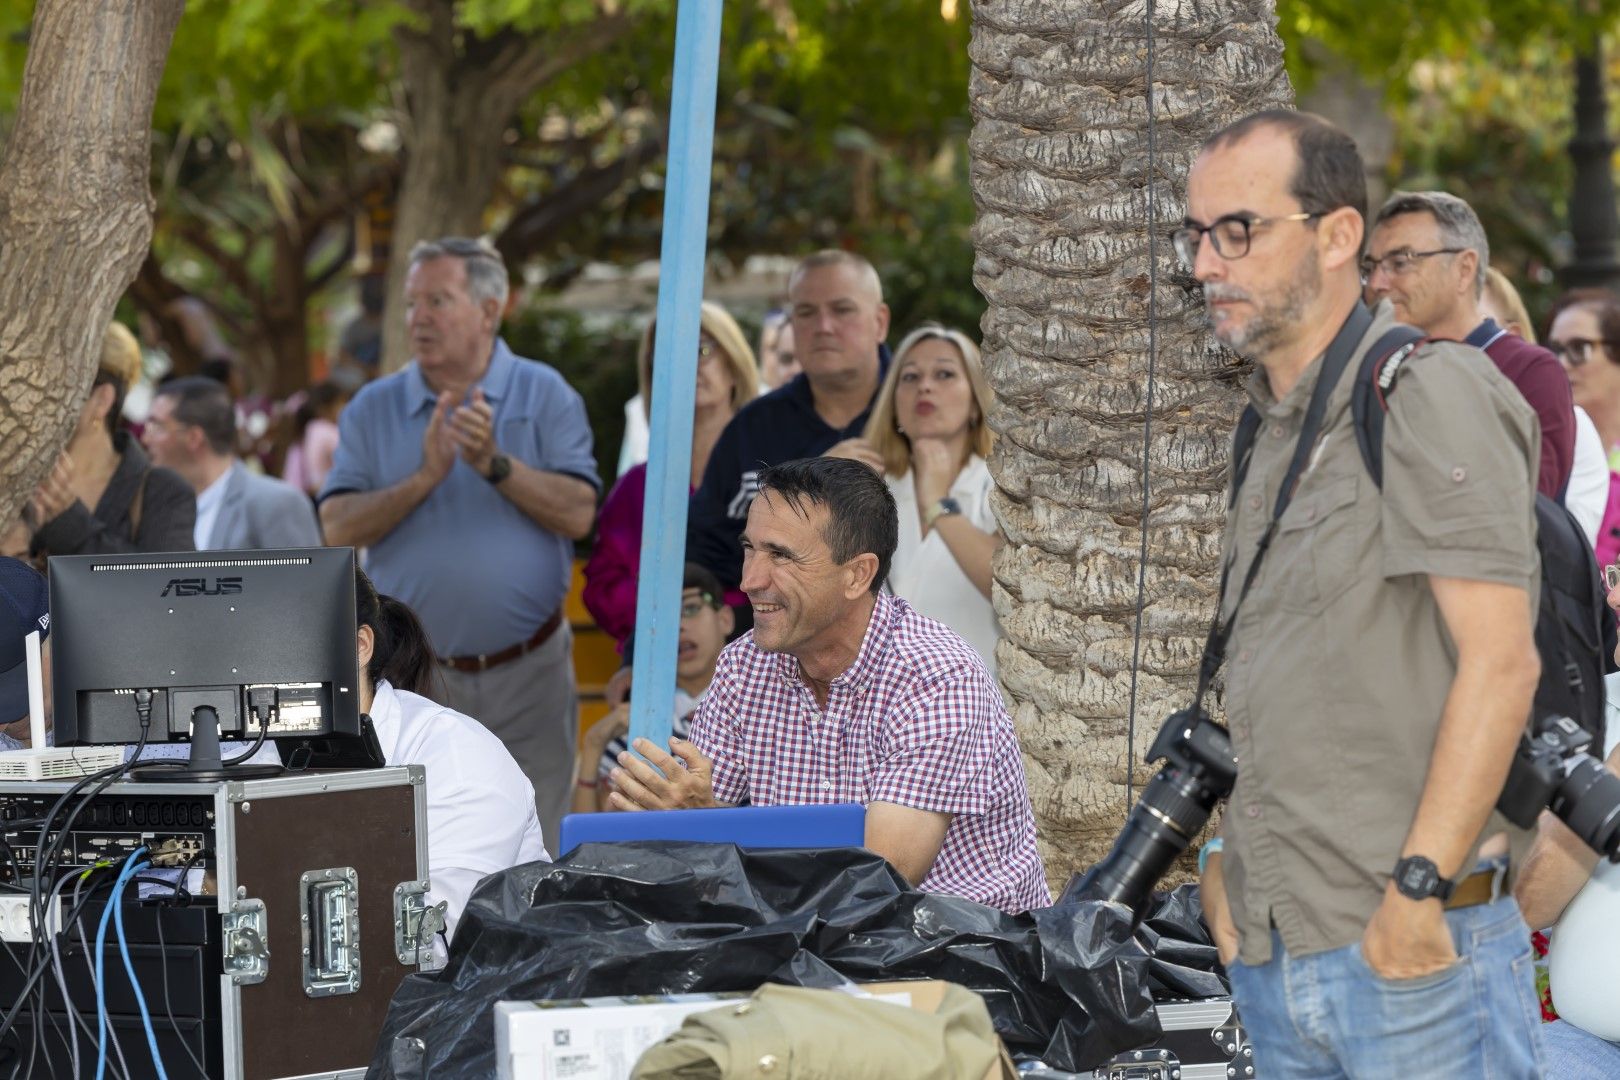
x=1272 y=323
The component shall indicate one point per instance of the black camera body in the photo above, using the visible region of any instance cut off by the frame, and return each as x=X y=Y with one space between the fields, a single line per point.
x=1552 y=770
x=1200 y=770
x=1555 y=770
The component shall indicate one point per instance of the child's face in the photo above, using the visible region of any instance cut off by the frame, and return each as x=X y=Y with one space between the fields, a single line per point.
x=704 y=627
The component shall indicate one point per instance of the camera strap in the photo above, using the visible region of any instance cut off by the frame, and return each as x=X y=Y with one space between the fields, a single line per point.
x=1334 y=363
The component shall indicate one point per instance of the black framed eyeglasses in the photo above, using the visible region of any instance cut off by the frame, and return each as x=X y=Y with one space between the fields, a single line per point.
x=1397 y=263
x=1231 y=234
x=1576 y=351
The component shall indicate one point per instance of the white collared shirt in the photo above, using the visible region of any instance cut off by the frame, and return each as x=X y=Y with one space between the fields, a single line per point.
x=208 y=503
x=927 y=576
x=480 y=805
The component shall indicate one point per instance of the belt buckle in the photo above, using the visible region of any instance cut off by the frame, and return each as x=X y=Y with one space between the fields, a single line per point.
x=483 y=662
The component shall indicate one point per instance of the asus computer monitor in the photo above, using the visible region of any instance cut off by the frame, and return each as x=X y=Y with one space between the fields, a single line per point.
x=232 y=634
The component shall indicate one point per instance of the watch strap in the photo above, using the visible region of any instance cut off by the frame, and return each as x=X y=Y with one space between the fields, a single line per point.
x=941 y=508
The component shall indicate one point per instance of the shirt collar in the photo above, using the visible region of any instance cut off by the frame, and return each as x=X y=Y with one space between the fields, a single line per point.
x=209 y=496
x=386 y=714
x=879 y=632
x=496 y=382
x=1484 y=335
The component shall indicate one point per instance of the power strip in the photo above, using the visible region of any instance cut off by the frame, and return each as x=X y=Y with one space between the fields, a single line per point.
x=16 y=923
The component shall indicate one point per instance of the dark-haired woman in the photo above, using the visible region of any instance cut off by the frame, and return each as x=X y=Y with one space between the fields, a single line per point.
x=480 y=806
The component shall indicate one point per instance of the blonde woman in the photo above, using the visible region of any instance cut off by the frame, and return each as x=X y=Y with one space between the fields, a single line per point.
x=929 y=434
x=727 y=379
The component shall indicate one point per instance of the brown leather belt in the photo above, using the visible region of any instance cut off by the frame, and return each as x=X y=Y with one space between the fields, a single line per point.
x=1480 y=887
x=475 y=664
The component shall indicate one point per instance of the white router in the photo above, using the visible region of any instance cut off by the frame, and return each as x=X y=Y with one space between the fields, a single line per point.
x=42 y=762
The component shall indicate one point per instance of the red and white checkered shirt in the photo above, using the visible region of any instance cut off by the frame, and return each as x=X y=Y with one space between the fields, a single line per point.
x=915 y=720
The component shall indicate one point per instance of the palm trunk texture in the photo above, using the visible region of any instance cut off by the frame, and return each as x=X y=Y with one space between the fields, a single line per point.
x=1061 y=172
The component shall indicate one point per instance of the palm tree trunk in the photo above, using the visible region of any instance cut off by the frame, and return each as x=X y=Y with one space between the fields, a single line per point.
x=1061 y=175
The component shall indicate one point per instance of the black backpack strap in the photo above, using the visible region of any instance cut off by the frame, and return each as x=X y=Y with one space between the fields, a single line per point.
x=1369 y=398
x=1242 y=446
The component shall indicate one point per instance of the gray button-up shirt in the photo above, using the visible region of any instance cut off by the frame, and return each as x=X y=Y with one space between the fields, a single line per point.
x=481 y=573
x=1339 y=665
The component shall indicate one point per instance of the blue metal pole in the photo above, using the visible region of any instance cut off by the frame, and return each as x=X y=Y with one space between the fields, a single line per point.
x=680 y=295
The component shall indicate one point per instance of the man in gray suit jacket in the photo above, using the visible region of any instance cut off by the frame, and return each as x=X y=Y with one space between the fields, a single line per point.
x=192 y=430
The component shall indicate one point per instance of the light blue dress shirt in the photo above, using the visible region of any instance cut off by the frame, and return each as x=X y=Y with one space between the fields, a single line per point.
x=209 y=501
x=480 y=573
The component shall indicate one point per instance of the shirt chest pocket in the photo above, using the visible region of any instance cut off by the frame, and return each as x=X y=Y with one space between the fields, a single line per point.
x=1318 y=546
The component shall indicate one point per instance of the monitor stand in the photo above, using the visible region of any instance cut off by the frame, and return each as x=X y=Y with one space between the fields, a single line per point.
x=205 y=762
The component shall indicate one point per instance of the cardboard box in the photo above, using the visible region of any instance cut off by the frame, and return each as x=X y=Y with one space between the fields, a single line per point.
x=602 y=1038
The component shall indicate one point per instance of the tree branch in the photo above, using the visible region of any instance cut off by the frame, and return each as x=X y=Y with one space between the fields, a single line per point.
x=532 y=62
x=537 y=223
x=234 y=269
x=75 y=215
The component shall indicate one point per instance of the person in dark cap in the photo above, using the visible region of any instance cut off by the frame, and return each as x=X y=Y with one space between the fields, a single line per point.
x=23 y=609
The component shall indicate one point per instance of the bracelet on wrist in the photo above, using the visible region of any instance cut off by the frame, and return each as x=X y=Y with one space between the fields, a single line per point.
x=1213 y=847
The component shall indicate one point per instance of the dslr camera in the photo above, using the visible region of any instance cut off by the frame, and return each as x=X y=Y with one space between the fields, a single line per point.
x=1553 y=769
x=1199 y=772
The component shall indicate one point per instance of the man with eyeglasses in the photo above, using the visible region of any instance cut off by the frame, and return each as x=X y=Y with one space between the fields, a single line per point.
x=1427 y=257
x=1380 y=660
x=468 y=475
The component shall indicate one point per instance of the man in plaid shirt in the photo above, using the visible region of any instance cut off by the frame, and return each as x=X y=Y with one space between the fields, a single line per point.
x=843 y=693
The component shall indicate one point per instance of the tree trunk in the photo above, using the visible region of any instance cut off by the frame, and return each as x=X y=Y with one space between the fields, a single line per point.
x=75 y=215
x=1060 y=176
x=461 y=94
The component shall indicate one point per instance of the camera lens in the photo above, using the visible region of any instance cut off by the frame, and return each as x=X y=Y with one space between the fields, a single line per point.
x=1588 y=801
x=1175 y=804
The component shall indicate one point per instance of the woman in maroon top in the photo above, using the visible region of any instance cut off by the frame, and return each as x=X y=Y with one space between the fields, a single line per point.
x=727 y=379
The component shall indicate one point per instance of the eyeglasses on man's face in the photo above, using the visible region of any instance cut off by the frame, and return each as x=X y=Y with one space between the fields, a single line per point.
x=1399 y=263
x=1231 y=234
x=1576 y=351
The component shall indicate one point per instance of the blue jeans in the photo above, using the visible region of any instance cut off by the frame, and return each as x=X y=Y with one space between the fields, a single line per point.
x=1575 y=1054
x=1326 y=1015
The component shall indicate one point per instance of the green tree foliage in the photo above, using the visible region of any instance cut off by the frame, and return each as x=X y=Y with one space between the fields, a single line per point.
x=831 y=118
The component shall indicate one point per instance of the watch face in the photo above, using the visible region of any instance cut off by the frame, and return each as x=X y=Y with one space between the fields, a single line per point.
x=1418 y=877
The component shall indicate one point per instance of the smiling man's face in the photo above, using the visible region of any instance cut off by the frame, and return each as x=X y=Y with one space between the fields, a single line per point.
x=790 y=576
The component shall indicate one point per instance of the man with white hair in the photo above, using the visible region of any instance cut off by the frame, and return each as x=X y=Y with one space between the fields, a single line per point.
x=469 y=475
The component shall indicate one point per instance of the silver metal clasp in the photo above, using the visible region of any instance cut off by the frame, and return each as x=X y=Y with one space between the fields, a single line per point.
x=416 y=922
x=247 y=952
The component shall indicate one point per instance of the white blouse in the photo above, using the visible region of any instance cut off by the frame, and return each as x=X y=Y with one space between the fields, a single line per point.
x=926 y=575
x=480 y=805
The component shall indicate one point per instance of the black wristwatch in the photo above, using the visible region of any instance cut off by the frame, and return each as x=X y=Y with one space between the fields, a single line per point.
x=500 y=467
x=1417 y=878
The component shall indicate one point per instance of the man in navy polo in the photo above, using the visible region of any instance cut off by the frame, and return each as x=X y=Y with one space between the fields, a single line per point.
x=839 y=321
x=468 y=475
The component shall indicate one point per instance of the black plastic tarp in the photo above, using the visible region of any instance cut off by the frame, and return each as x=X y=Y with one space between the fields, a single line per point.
x=1071 y=983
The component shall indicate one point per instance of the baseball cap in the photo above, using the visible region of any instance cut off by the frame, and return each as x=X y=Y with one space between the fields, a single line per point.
x=24 y=608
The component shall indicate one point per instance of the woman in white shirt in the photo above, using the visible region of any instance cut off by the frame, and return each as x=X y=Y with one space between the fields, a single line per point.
x=929 y=438
x=480 y=805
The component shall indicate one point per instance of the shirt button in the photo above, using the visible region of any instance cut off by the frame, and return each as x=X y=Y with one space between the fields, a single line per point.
x=826 y=785
x=1253 y=811
x=1277 y=431
x=1245 y=656
x=1254 y=502
x=767 y=1063
x=1459 y=474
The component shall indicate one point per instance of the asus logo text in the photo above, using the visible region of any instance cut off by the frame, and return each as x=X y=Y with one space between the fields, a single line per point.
x=196 y=586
